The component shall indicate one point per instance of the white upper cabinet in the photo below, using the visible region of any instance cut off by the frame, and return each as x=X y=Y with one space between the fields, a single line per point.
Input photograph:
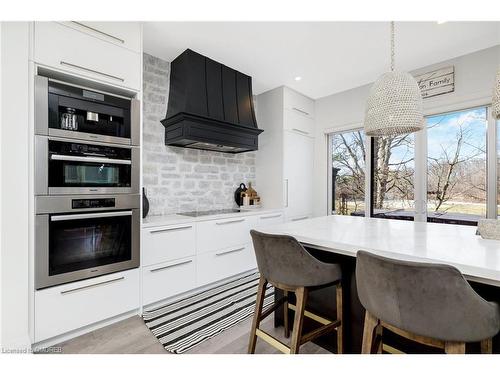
x=285 y=159
x=298 y=103
x=123 y=34
x=87 y=55
x=299 y=123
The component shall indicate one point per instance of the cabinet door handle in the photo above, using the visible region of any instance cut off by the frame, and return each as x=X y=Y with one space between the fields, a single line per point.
x=229 y=222
x=170 y=229
x=91 y=71
x=98 y=31
x=230 y=251
x=171 y=265
x=300 y=131
x=92 y=286
x=300 y=218
x=270 y=216
x=286 y=192
x=301 y=111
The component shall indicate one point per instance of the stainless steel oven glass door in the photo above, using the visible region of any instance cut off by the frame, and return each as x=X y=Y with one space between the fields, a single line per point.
x=83 y=245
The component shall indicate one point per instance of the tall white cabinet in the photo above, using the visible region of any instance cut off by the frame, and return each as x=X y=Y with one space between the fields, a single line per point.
x=285 y=159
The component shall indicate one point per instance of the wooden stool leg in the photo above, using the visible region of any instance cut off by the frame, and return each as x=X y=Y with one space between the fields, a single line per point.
x=379 y=343
x=285 y=315
x=340 y=329
x=300 y=307
x=454 y=347
x=371 y=322
x=487 y=346
x=261 y=293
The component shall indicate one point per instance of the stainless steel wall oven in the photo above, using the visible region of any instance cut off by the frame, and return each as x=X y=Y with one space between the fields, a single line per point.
x=81 y=237
x=87 y=178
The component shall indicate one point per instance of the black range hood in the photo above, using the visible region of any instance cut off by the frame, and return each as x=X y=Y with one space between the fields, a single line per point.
x=210 y=106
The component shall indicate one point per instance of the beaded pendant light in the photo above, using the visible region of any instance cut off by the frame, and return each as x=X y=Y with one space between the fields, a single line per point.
x=495 y=105
x=394 y=104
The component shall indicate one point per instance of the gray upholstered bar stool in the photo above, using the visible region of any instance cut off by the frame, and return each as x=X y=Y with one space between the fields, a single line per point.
x=284 y=263
x=431 y=304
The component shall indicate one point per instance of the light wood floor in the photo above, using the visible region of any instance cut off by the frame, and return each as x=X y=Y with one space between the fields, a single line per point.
x=131 y=336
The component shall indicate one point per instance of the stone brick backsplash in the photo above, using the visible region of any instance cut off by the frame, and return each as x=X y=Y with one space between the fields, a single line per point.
x=181 y=179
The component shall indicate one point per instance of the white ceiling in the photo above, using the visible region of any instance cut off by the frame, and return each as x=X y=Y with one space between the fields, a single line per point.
x=329 y=56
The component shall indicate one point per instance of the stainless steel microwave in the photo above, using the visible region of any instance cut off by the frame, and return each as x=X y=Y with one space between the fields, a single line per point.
x=80 y=237
x=71 y=111
x=65 y=167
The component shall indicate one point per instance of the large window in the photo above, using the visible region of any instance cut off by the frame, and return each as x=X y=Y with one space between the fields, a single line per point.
x=348 y=173
x=456 y=166
x=393 y=166
x=444 y=174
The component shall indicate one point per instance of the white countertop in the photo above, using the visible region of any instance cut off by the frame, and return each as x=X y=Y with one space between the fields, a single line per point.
x=162 y=220
x=478 y=259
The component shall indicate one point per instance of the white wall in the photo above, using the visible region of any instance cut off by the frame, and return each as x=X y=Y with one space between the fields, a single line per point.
x=474 y=78
x=14 y=168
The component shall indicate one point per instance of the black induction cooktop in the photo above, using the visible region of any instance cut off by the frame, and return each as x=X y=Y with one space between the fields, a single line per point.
x=211 y=212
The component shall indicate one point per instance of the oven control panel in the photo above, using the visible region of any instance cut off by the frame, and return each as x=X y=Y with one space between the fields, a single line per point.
x=93 y=203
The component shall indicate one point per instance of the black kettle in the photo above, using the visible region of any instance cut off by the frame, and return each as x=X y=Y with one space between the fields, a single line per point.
x=237 y=194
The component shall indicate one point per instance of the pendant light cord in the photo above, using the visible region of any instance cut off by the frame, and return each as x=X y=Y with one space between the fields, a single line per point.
x=392 y=46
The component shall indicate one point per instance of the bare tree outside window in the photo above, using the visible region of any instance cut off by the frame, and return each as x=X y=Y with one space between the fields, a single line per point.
x=456 y=165
x=348 y=163
x=393 y=172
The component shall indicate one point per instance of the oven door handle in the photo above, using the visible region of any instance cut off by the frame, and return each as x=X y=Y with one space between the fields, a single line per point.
x=90 y=216
x=90 y=159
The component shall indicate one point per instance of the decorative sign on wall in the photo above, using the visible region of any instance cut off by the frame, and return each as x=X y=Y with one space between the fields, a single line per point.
x=437 y=82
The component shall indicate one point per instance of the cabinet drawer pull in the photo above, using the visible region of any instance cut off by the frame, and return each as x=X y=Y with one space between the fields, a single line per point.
x=170 y=229
x=301 y=111
x=98 y=31
x=286 y=193
x=300 y=218
x=92 y=286
x=270 y=216
x=230 y=251
x=300 y=131
x=229 y=222
x=91 y=71
x=171 y=265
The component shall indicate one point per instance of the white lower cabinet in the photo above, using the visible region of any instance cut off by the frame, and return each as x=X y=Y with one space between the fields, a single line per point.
x=68 y=307
x=166 y=243
x=182 y=257
x=220 y=264
x=168 y=279
x=220 y=234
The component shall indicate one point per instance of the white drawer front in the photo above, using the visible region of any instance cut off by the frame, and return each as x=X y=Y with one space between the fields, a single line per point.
x=71 y=306
x=298 y=103
x=221 y=234
x=162 y=244
x=268 y=220
x=168 y=279
x=123 y=34
x=298 y=123
x=220 y=264
x=67 y=49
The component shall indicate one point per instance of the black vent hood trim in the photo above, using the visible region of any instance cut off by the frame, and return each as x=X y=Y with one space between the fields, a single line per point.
x=210 y=106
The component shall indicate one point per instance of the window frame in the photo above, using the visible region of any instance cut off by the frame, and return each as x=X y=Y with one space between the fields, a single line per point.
x=420 y=182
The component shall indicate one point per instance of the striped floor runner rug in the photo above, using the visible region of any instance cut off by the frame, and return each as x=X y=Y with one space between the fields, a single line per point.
x=181 y=325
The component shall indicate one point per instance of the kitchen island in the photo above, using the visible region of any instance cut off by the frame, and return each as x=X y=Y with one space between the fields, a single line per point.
x=338 y=238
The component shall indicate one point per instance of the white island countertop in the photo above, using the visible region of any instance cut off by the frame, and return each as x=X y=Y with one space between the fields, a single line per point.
x=478 y=259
